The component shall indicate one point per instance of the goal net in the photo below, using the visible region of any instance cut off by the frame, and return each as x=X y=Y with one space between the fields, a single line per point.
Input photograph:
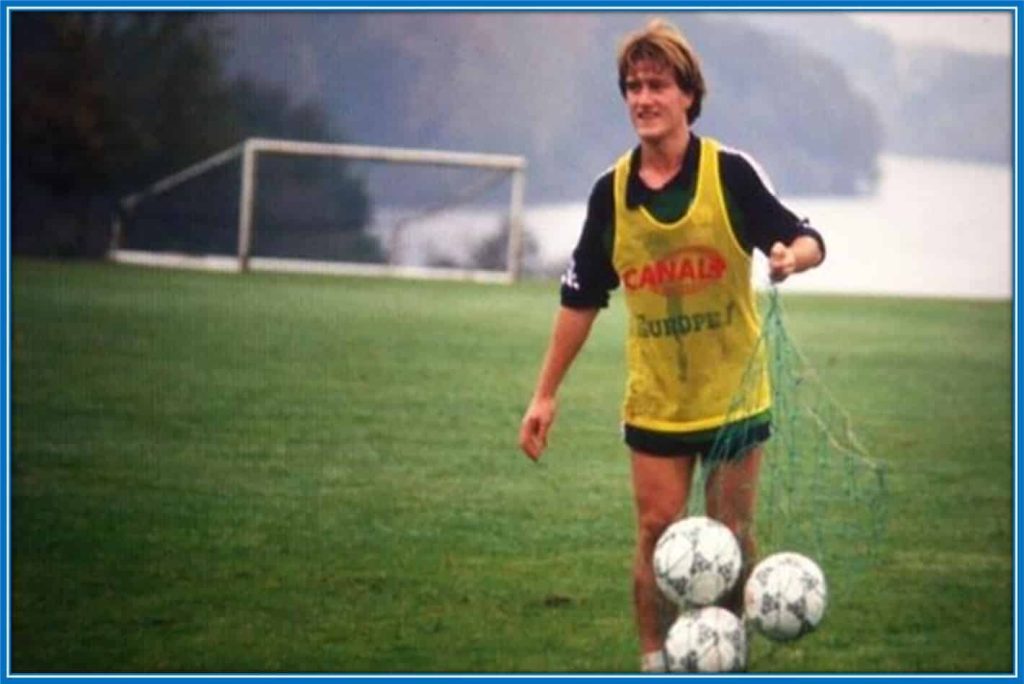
x=285 y=205
x=821 y=491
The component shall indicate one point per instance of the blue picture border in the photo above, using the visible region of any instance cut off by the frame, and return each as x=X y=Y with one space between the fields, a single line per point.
x=8 y=6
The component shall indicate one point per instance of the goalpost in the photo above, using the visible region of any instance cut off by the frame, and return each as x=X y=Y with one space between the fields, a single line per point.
x=494 y=169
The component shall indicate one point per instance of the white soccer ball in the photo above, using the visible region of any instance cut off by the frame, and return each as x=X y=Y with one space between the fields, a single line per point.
x=785 y=596
x=696 y=560
x=707 y=639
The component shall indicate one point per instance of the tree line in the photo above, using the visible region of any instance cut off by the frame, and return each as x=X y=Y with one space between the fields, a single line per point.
x=105 y=103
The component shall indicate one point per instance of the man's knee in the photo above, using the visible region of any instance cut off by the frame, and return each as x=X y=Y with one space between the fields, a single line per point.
x=652 y=524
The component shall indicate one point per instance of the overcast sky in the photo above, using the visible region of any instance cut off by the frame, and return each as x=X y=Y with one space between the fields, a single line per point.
x=989 y=32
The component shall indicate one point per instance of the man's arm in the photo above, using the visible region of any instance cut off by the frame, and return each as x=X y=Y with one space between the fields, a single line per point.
x=572 y=327
x=584 y=292
x=762 y=221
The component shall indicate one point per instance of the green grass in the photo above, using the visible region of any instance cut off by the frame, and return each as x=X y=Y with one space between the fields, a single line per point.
x=215 y=473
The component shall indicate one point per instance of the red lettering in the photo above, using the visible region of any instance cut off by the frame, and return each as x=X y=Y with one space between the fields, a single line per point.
x=693 y=268
x=716 y=267
x=649 y=277
x=629 y=278
x=666 y=271
x=686 y=269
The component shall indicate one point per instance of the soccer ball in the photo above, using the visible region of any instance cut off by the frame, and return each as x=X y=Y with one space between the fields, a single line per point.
x=786 y=596
x=696 y=560
x=707 y=639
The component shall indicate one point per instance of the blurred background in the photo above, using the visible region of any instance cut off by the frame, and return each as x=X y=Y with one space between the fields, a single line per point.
x=890 y=131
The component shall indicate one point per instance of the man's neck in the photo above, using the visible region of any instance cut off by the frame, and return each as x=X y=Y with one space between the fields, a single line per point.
x=661 y=160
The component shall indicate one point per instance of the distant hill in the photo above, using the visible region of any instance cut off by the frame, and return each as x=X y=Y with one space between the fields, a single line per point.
x=931 y=101
x=544 y=85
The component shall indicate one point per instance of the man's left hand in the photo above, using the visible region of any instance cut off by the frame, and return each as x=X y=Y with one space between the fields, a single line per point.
x=781 y=262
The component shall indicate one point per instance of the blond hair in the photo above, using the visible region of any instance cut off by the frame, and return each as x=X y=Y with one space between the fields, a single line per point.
x=662 y=43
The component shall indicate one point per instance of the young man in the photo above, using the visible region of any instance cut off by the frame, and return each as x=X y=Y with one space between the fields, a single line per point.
x=675 y=221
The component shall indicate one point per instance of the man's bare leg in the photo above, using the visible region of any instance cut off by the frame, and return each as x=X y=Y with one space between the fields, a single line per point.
x=661 y=487
x=731 y=494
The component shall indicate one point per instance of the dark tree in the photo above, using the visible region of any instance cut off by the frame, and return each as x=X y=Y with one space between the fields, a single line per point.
x=105 y=103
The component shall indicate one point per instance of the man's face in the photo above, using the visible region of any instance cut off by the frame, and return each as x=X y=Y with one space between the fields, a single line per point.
x=657 y=106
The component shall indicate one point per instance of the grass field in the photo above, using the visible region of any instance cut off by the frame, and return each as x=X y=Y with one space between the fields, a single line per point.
x=215 y=473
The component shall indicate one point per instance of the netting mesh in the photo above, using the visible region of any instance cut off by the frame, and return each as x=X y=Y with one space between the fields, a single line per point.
x=820 y=492
x=197 y=216
x=443 y=216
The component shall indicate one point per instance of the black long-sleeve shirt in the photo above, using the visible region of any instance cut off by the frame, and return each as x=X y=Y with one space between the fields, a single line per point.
x=758 y=218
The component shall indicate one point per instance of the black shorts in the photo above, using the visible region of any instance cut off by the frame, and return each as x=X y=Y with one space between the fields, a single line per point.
x=727 y=442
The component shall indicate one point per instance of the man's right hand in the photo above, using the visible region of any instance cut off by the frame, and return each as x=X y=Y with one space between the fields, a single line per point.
x=570 y=332
x=533 y=432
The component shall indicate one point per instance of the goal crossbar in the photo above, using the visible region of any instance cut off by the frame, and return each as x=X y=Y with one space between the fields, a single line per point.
x=396 y=154
x=249 y=149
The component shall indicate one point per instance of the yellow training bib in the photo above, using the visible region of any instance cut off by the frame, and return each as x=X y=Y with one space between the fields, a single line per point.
x=692 y=350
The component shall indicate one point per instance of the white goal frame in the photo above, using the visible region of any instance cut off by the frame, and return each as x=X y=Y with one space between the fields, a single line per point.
x=243 y=261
